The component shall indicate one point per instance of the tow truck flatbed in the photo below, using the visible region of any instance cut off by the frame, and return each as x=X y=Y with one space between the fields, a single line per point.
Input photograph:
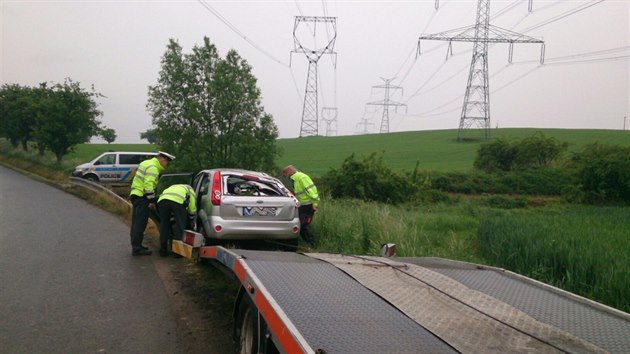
x=330 y=303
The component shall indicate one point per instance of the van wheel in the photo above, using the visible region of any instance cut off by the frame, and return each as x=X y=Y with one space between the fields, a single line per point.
x=91 y=178
x=246 y=327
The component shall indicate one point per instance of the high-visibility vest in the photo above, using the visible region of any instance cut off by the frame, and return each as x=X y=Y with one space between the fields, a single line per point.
x=181 y=194
x=304 y=189
x=146 y=177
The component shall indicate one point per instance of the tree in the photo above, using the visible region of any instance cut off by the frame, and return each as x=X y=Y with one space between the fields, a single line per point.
x=207 y=110
x=66 y=116
x=149 y=135
x=18 y=113
x=108 y=135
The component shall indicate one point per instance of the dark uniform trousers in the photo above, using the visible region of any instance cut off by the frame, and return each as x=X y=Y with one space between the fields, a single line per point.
x=306 y=213
x=166 y=208
x=139 y=220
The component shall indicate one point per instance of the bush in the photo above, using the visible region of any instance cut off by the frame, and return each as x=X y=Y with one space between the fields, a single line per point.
x=497 y=155
x=369 y=179
x=601 y=174
x=536 y=151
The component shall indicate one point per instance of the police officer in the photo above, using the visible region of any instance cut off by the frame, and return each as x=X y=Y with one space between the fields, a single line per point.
x=142 y=198
x=177 y=201
x=306 y=193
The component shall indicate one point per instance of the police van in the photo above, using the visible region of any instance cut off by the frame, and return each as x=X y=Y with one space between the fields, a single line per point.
x=112 y=166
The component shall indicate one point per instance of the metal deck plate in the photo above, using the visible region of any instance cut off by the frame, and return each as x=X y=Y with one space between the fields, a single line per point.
x=335 y=313
x=469 y=320
x=606 y=329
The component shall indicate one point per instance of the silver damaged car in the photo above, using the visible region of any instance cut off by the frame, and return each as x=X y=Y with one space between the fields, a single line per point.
x=237 y=205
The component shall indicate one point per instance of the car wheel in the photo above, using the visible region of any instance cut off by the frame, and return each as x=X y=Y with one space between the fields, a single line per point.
x=290 y=245
x=91 y=178
x=246 y=327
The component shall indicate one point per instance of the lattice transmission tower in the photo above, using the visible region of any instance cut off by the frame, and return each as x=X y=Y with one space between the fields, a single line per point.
x=329 y=116
x=386 y=103
x=363 y=124
x=476 y=107
x=310 y=108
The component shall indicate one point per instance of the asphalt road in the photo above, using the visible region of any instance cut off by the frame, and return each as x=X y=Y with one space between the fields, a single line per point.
x=68 y=282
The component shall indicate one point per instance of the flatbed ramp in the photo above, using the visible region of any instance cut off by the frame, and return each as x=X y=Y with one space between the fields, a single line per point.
x=329 y=303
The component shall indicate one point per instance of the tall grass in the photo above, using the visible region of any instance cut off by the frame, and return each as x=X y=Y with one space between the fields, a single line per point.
x=358 y=227
x=584 y=250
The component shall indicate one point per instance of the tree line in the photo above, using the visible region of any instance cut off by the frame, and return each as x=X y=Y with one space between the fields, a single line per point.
x=56 y=117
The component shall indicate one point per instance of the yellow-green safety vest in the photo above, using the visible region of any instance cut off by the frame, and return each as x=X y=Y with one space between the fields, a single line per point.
x=180 y=193
x=304 y=189
x=146 y=178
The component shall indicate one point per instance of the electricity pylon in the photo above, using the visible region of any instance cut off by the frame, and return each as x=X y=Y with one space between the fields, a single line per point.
x=329 y=116
x=476 y=107
x=309 y=109
x=386 y=103
x=364 y=122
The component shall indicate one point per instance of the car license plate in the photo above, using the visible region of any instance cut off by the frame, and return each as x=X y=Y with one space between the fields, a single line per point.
x=259 y=211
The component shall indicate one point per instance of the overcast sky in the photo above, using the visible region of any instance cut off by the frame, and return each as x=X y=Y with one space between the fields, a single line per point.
x=117 y=46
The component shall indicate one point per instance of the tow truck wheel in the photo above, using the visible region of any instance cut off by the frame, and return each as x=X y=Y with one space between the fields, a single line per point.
x=246 y=327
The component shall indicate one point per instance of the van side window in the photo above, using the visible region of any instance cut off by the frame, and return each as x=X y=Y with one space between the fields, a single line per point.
x=130 y=159
x=108 y=159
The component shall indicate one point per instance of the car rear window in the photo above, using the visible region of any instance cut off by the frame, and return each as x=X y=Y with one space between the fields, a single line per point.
x=239 y=186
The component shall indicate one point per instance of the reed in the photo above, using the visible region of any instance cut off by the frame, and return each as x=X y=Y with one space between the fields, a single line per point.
x=585 y=250
x=359 y=227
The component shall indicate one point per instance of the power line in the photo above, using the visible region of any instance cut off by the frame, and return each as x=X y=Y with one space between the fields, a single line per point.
x=454 y=75
x=567 y=58
x=239 y=33
x=563 y=15
x=505 y=9
x=597 y=60
x=516 y=79
x=413 y=50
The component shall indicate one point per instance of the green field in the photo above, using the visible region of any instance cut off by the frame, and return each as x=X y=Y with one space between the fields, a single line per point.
x=435 y=150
